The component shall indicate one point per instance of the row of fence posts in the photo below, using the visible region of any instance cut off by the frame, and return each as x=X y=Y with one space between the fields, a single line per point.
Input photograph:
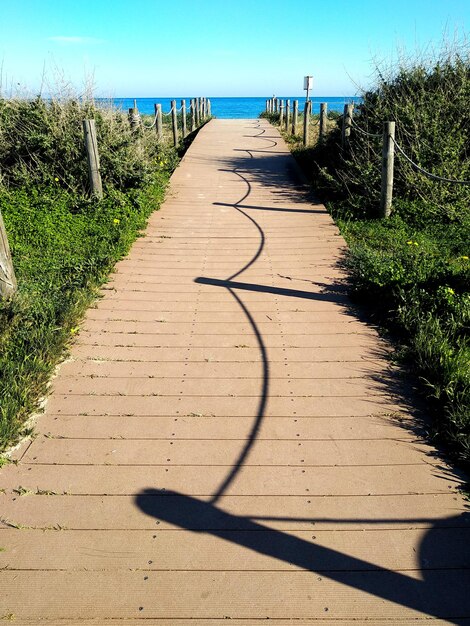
x=289 y=121
x=289 y=124
x=200 y=111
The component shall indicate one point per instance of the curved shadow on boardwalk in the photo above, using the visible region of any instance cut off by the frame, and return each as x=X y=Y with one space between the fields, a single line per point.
x=442 y=593
x=264 y=391
x=264 y=394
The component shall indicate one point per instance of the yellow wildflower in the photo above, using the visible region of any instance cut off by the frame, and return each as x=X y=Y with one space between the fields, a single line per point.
x=410 y=243
x=56 y=179
x=464 y=258
x=116 y=221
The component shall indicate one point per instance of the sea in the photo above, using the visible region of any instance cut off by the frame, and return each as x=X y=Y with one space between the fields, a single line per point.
x=231 y=108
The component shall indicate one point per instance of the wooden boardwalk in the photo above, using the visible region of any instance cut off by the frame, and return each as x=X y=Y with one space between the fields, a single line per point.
x=227 y=440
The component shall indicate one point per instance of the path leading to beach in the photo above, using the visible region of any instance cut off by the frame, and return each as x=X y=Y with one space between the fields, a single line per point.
x=228 y=440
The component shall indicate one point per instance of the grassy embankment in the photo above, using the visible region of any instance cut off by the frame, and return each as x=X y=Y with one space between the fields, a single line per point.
x=63 y=243
x=413 y=269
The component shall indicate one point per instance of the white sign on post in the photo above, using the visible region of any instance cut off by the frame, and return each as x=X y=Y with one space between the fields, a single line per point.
x=308 y=84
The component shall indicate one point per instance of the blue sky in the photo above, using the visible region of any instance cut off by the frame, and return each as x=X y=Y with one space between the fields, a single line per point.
x=177 y=48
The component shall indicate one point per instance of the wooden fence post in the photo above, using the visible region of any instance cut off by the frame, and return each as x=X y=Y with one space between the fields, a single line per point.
x=7 y=272
x=91 y=146
x=306 y=122
x=198 y=111
x=159 y=121
x=295 y=116
x=183 y=118
x=134 y=117
x=347 y=123
x=323 y=120
x=209 y=108
x=174 y=119
x=388 y=155
x=287 y=115
x=193 y=115
x=281 y=113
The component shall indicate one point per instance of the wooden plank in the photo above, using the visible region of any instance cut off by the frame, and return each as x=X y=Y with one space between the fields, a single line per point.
x=241 y=387
x=234 y=550
x=295 y=428
x=203 y=481
x=207 y=595
x=292 y=453
x=287 y=513
x=278 y=370
x=188 y=340
x=234 y=622
x=215 y=354
x=213 y=406
x=267 y=328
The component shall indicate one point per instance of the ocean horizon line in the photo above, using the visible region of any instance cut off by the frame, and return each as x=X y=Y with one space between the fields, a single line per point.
x=239 y=107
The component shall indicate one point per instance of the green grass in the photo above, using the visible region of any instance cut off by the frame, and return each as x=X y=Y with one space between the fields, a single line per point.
x=416 y=283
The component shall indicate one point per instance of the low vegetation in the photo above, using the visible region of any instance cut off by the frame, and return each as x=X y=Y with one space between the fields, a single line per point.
x=63 y=242
x=413 y=269
x=295 y=140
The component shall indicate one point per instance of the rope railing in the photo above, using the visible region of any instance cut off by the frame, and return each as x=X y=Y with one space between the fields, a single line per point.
x=389 y=144
x=425 y=172
x=365 y=132
x=152 y=125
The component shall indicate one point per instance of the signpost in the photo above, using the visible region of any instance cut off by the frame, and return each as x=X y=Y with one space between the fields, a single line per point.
x=308 y=84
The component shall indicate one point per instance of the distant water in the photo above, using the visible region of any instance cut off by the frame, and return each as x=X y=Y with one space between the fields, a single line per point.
x=230 y=108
